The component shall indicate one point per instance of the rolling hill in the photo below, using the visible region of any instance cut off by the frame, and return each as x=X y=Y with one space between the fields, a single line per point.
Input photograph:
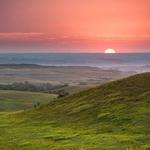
x=16 y=100
x=72 y=75
x=113 y=116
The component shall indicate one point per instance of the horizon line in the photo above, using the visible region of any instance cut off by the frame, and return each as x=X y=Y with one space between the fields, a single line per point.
x=71 y=53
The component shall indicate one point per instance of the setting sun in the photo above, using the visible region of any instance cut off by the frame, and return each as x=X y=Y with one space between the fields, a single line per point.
x=110 y=51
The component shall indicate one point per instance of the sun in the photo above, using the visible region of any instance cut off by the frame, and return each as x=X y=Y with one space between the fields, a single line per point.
x=110 y=51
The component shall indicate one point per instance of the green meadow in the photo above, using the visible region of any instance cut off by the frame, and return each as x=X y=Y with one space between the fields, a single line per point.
x=112 y=116
x=19 y=100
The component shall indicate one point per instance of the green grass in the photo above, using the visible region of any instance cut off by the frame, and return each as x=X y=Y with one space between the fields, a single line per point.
x=15 y=100
x=114 y=116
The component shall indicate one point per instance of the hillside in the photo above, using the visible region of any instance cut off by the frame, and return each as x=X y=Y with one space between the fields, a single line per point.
x=113 y=116
x=15 y=100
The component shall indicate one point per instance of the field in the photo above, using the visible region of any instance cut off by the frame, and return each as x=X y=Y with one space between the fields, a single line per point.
x=15 y=100
x=113 y=116
x=70 y=79
x=57 y=75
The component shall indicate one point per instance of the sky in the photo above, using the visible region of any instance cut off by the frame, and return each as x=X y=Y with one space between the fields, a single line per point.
x=74 y=25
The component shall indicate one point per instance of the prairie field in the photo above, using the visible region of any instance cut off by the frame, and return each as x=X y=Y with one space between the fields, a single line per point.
x=112 y=116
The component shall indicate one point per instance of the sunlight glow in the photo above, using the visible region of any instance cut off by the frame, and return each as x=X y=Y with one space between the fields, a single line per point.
x=110 y=51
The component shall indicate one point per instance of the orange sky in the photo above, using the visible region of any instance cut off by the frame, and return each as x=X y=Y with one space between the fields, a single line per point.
x=74 y=25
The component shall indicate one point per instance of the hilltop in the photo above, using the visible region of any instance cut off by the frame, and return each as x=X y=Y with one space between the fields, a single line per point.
x=113 y=116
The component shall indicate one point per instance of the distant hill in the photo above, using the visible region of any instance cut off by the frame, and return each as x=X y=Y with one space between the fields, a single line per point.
x=113 y=116
x=57 y=75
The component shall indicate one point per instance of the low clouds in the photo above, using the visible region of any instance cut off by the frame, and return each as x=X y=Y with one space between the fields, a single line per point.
x=40 y=42
x=19 y=36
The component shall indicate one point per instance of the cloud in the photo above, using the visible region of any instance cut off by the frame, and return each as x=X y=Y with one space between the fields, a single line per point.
x=17 y=35
x=40 y=41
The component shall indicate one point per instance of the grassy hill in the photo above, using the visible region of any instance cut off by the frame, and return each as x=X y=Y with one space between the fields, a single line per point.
x=15 y=100
x=113 y=116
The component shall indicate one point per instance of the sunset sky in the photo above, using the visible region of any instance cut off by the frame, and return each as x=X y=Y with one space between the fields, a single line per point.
x=74 y=25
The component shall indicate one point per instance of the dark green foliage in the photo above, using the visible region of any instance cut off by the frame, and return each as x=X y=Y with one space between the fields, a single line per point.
x=62 y=93
x=26 y=86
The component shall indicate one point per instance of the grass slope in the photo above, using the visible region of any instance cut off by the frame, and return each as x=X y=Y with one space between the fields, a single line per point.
x=15 y=100
x=114 y=116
